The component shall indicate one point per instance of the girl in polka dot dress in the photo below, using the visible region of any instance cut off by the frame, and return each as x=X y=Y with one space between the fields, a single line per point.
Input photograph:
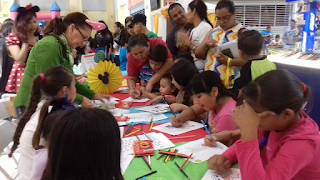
x=20 y=43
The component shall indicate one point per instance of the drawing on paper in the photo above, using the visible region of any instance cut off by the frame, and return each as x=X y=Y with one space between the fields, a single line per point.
x=159 y=108
x=186 y=127
x=231 y=174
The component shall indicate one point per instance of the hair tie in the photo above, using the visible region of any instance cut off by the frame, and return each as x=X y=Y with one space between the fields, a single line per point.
x=43 y=78
x=304 y=87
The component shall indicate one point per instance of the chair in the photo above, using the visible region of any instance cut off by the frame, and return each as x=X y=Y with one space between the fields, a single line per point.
x=7 y=130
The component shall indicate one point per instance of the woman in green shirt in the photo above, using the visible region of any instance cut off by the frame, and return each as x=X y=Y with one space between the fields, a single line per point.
x=54 y=50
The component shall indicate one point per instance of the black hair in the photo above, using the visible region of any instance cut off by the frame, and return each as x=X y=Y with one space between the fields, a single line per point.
x=93 y=135
x=277 y=36
x=226 y=4
x=201 y=9
x=119 y=25
x=128 y=19
x=268 y=27
x=278 y=90
x=250 y=42
x=292 y=20
x=205 y=81
x=172 y=6
x=138 y=40
x=6 y=27
x=187 y=56
x=169 y=79
x=159 y=53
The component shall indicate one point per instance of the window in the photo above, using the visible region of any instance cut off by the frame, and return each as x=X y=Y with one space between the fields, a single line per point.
x=264 y=15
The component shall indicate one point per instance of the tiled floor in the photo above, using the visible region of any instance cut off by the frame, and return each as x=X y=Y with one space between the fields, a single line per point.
x=9 y=165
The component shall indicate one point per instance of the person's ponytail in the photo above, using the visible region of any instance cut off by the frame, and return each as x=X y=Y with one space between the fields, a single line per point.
x=33 y=104
x=201 y=9
x=55 y=26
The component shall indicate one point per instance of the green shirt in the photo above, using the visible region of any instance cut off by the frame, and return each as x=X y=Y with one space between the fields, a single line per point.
x=44 y=55
x=152 y=35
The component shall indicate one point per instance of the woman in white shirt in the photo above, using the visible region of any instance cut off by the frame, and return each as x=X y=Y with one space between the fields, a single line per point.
x=197 y=15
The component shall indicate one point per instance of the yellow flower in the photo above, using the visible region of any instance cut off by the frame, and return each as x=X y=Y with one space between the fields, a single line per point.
x=104 y=78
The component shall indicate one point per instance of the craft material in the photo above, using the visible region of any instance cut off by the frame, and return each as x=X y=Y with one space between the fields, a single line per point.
x=182 y=171
x=146 y=161
x=130 y=128
x=231 y=173
x=185 y=162
x=149 y=160
x=147 y=136
x=144 y=117
x=118 y=111
x=182 y=137
x=122 y=118
x=175 y=151
x=205 y=127
x=186 y=127
x=133 y=132
x=173 y=154
x=126 y=132
x=143 y=148
x=200 y=151
x=125 y=105
x=146 y=175
x=130 y=99
x=151 y=125
x=159 y=108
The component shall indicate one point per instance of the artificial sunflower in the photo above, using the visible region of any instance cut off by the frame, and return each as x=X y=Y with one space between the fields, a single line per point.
x=104 y=78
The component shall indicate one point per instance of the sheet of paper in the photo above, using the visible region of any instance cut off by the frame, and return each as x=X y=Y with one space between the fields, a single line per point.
x=186 y=127
x=159 y=108
x=112 y=100
x=160 y=141
x=125 y=161
x=200 y=151
x=231 y=174
x=121 y=131
x=129 y=99
x=88 y=61
x=118 y=111
x=145 y=117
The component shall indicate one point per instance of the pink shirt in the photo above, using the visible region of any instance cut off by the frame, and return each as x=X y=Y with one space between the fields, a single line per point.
x=223 y=120
x=291 y=154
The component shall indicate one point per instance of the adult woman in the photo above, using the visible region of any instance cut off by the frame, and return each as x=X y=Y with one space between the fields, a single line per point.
x=129 y=26
x=61 y=37
x=6 y=61
x=20 y=43
x=118 y=35
x=197 y=15
x=104 y=40
x=140 y=47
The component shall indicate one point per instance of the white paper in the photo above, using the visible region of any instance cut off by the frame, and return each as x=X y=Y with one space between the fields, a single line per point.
x=232 y=46
x=112 y=100
x=200 y=151
x=118 y=111
x=144 y=117
x=121 y=132
x=186 y=127
x=159 y=108
x=129 y=99
x=88 y=61
x=125 y=162
x=231 y=174
x=159 y=141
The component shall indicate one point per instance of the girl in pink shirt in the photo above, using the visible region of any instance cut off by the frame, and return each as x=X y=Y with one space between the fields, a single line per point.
x=290 y=149
x=211 y=95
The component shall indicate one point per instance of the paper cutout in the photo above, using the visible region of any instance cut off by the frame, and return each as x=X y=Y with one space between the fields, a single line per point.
x=130 y=99
x=231 y=174
x=125 y=161
x=200 y=151
x=159 y=108
x=160 y=141
x=144 y=117
x=118 y=111
x=186 y=127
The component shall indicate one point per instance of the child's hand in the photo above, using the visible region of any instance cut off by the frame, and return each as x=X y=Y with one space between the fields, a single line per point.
x=100 y=97
x=177 y=107
x=210 y=140
x=175 y=121
x=223 y=59
x=155 y=100
x=219 y=163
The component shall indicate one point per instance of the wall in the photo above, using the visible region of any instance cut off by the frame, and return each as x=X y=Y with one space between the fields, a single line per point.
x=75 y=5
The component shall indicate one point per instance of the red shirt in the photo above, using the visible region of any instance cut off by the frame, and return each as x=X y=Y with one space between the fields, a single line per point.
x=134 y=66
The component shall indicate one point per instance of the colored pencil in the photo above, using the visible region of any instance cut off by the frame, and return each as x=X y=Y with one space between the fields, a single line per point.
x=173 y=154
x=169 y=107
x=205 y=127
x=126 y=132
x=186 y=161
x=182 y=171
x=172 y=157
x=173 y=138
x=145 y=160
x=141 y=127
x=137 y=137
x=149 y=160
x=150 y=124
x=133 y=132
x=147 y=174
x=130 y=128
x=137 y=128
x=162 y=155
x=166 y=159
x=147 y=136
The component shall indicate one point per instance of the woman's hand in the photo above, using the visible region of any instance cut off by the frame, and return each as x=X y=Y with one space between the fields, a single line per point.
x=210 y=140
x=175 y=121
x=135 y=94
x=219 y=163
x=211 y=43
x=177 y=107
x=223 y=59
x=100 y=97
x=86 y=103
x=247 y=120
x=149 y=87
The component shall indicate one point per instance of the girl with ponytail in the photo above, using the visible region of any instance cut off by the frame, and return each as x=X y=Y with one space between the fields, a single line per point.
x=196 y=15
x=57 y=86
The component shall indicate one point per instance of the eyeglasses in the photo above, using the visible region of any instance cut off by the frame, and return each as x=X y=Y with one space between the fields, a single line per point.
x=84 y=39
x=223 y=19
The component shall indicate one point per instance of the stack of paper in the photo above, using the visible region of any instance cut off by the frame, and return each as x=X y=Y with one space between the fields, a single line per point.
x=159 y=141
x=130 y=99
x=186 y=127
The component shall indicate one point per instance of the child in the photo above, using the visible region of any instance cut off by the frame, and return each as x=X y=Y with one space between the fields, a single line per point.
x=158 y=57
x=58 y=85
x=250 y=44
x=167 y=91
x=211 y=95
x=274 y=102
x=82 y=144
x=277 y=42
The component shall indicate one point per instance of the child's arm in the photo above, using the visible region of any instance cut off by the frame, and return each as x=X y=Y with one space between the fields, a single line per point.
x=150 y=95
x=157 y=76
x=170 y=99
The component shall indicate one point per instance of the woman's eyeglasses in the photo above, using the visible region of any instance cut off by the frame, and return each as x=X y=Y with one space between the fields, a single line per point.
x=223 y=19
x=84 y=39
